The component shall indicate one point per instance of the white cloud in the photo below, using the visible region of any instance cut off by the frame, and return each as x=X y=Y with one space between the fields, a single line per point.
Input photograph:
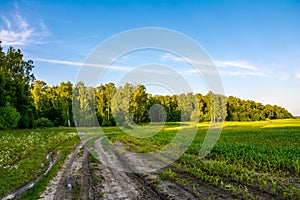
x=168 y=56
x=235 y=64
x=18 y=32
x=202 y=71
x=239 y=72
x=238 y=68
x=7 y=22
x=148 y=69
x=79 y=64
x=226 y=67
x=123 y=59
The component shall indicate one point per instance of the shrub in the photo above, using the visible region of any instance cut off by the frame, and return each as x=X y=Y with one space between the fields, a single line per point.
x=108 y=122
x=99 y=118
x=43 y=122
x=9 y=117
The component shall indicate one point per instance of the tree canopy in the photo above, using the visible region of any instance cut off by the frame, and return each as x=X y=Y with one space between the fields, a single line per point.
x=26 y=102
x=15 y=88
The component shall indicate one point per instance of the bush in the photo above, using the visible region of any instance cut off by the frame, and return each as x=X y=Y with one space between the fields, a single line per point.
x=9 y=117
x=108 y=122
x=99 y=118
x=43 y=122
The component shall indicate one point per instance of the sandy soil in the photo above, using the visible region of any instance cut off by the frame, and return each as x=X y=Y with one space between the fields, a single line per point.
x=80 y=178
x=73 y=181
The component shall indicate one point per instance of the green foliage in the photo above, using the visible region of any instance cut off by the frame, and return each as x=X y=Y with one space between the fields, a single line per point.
x=108 y=122
x=83 y=106
x=9 y=117
x=43 y=122
x=54 y=103
x=241 y=110
x=130 y=103
x=15 y=83
x=168 y=174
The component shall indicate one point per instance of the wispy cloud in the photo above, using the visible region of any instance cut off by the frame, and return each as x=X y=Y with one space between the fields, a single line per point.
x=238 y=68
x=232 y=68
x=225 y=67
x=150 y=68
x=168 y=56
x=80 y=64
x=17 y=31
x=235 y=64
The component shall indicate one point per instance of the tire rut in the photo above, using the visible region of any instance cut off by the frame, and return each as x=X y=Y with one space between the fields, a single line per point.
x=132 y=185
x=83 y=177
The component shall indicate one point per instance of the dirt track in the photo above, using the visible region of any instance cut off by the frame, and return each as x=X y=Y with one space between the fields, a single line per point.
x=83 y=178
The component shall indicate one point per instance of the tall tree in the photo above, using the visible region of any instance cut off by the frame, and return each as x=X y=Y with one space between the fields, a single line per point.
x=138 y=103
x=84 y=105
x=15 y=84
x=65 y=91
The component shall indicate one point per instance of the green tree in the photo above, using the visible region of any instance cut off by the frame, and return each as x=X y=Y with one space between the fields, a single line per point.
x=120 y=103
x=103 y=101
x=65 y=92
x=9 y=117
x=15 y=85
x=138 y=103
x=83 y=105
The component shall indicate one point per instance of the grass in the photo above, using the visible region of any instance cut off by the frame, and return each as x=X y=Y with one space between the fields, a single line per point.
x=23 y=155
x=249 y=159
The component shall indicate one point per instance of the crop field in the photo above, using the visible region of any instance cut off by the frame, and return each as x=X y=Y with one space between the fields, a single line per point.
x=251 y=160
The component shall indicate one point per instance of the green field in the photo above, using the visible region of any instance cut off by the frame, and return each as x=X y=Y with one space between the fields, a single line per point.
x=250 y=159
x=23 y=154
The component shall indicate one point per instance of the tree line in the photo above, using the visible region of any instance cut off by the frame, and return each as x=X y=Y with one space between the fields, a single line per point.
x=131 y=103
x=28 y=103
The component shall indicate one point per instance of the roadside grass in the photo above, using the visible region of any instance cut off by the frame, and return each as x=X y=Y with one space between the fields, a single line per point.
x=23 y=156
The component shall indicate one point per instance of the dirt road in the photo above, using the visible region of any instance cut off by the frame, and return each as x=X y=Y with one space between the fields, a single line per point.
x=84 y=177
x=102 y=172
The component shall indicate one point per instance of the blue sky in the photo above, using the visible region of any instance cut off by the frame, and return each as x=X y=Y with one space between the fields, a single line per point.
x=255 y=45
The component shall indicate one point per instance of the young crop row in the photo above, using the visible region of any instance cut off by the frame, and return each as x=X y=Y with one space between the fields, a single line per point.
x=235 y=176
x=248 y=161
